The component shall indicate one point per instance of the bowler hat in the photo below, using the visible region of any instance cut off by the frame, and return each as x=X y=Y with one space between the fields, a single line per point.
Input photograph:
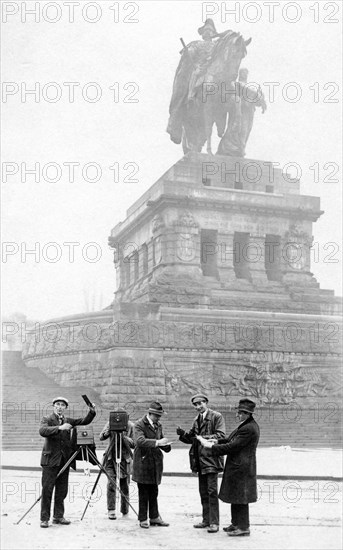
x=246 y=405
x=200 y=396
x=156 y=408
x=60 y=399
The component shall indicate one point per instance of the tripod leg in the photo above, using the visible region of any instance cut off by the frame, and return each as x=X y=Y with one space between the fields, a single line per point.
x=94 y=487
x=101 y=466
x=118 y=449
x=111 y=480
x=59 y=473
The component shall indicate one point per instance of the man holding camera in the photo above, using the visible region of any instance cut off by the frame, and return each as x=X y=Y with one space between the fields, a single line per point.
x=113 y=454
x=56 y=452
x=210 y=425
x=148 y=464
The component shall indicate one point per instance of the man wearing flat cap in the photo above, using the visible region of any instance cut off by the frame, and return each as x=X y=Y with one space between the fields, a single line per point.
x=239 y=486
x=148 y=464
x=56 y=452
x=210 y=425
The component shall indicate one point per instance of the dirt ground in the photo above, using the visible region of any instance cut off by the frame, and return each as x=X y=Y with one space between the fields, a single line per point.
x=288 y=515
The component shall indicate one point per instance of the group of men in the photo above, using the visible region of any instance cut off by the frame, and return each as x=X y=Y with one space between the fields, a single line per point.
x=145 y=463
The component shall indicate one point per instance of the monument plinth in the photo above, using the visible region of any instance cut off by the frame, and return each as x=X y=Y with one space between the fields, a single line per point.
x=215 y=294
x=238 y=238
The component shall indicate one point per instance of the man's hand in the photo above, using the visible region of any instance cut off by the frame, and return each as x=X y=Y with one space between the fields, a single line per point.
x=65 y=426
x=106 y=432
x=205 y=442
x=180 y=431
x=92 y=408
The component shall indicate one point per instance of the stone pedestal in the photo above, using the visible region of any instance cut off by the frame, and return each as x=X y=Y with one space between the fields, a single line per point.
x=203 y=305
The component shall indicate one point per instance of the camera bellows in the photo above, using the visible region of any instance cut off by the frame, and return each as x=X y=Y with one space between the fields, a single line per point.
x=118 y=421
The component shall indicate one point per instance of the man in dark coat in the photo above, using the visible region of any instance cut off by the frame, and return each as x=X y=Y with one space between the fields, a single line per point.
x=148 y=464
x=239 y=486
x=125 y=469
x=56 y=452
x=210 y=425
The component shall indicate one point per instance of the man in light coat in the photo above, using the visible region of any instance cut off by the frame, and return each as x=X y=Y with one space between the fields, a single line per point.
x=148 y=464
x=210 y=425
x=239 y=485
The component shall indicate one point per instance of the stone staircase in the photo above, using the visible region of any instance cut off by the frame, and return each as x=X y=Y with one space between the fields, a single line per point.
x=27 y=395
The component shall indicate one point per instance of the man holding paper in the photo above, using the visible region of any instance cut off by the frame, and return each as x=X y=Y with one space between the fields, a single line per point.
x=210 y=425
x=239 y=485
x=148 y=464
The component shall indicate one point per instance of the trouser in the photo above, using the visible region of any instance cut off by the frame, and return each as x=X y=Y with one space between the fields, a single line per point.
x=49 y=481
x=112 y=490
x=147 y=501
x=208 y=489
x=240 y=516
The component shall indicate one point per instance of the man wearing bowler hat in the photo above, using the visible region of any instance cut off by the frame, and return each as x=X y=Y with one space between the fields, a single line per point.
x=55 y=454
x=239 y=486
x=210 y=425
x=148 y=464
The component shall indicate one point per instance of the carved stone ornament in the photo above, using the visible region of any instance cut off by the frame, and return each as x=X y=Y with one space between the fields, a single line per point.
x=157 y=250
x=157 y=223
x=297 y=245
x=269 y=377
x=186 y=219
x=186 y=247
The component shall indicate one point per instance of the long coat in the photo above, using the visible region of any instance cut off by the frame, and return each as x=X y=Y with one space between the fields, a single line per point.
x=147 y=458
x=58 y=443
x=239 y=484
x=201 y=460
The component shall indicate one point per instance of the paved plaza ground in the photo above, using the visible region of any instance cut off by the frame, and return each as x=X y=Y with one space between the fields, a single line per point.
x=291 y=513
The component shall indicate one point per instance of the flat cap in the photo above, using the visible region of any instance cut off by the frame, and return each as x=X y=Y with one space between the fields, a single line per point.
x=60 y=399
x=200 y=396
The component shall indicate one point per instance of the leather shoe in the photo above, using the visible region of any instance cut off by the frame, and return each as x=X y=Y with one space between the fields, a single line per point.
x=112 y=515
x=44 y=524
x=159 y=522
x=230 y=528
x=213 y=528
x=240 y=533
x=144 y=524
x=61 y=521
x=201 y=525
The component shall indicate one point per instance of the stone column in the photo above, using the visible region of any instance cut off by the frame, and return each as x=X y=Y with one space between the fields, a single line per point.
x=255 y=254
x=225 y=257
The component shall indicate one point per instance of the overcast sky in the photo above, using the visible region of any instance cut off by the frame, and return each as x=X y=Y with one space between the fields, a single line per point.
x=137 y=58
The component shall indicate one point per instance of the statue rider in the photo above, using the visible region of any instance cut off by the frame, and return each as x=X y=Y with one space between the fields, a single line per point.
x=189 y=76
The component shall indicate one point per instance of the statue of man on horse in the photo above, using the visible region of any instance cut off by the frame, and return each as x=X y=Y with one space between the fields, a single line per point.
x=204 y=91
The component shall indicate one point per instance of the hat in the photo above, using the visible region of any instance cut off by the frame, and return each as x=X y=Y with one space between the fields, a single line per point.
x=60 y=399
x=246 y=405
x=200 y=396
x=156 y=408
x=208 y=25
